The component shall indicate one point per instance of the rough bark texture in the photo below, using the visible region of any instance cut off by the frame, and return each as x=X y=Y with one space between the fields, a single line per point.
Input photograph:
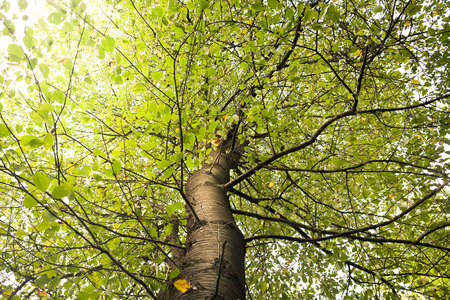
x=200 y=263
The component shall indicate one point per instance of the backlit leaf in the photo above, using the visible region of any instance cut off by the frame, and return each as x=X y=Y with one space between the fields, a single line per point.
x=157 y=75
x=48 y=141
x=22 y=4
x=41 y=181
x=15 y=53
x=56 y=18
x=29 y=202
x=108 y=43
x=60 y=191
x=4 y=130
x=377 y=9
x=117 y=166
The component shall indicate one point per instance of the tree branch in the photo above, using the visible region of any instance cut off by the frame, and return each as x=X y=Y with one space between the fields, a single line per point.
x=287 y=151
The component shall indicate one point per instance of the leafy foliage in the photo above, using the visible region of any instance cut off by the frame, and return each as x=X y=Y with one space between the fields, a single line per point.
x=108 y=107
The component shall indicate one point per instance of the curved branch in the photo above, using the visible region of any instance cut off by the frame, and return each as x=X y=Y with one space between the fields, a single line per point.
x=402 y=108
x=313 y=138
x=278 y=155
x=432 y=230
x=350 y=233
x=325 y=238
x=351 y=168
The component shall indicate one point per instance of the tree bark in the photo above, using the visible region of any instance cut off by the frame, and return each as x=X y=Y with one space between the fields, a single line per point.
x=214 y=242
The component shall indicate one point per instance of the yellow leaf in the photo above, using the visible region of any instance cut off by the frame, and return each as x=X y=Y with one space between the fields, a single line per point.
x=271 y=184
x=415 y=82
x=309 y=54
x=358 y=52
x=182 y=285
x=63 y=60
x=48 y=243
x=435 y=14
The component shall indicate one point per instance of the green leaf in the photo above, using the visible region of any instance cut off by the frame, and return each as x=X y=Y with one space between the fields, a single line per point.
x=25 y=140
x=204 y=4
x=257 y=6
x=56 y=5
x=412 y=9
x=83 y=295
x=61 y=191
x=170 y=209
x=97 y=152
x=179 y=205
x=99 y=51
x=58 y=95
x=56 y=18
x=5 y=6
x=41 y=181
x=35 y=143
x=48 y=141
x=117 y=79
x=332 y=14
x=108 y=43
x=157 y=75
x=272 y=3
x=44 y=70
x=153 y=232
x=9 y=27
x=41 y=280
x=167 y=173
x=109 y=290
x=15 y=53
x=4 y=132
x=168 y=229
x=74 y=3
x=290 y=14
x=28 y=42
x=164 y=163
x=48 y=216
x=46 y=107
x=22 y=5
x=68 y=64
x=29 y=202
x=116 y=166
x=376 y=9
x=29 y=31
x=158 y=11
x=43 y=226
x=174 y=273
x=32 y=63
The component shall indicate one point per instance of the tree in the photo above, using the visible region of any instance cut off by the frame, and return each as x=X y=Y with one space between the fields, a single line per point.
x=225 y=149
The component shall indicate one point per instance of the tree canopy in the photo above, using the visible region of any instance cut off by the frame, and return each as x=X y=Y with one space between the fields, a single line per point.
x=323 y=125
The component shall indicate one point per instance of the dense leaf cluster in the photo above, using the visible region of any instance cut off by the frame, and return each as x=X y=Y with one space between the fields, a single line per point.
x=107 y=108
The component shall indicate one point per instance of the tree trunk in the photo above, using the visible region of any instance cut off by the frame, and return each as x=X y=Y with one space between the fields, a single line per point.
x=214 y=242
